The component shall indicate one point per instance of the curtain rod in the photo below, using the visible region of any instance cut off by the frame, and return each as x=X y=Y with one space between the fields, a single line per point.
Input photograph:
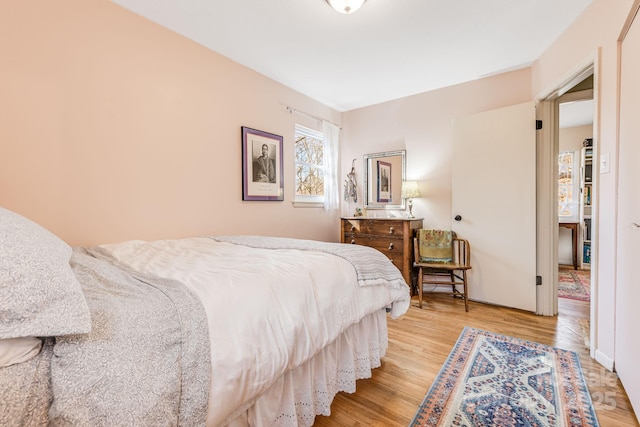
x=292 y=110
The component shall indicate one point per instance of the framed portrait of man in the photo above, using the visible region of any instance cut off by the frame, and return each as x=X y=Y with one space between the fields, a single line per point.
x=262 y=172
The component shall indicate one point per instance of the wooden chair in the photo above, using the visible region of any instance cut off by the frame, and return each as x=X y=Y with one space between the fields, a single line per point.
x=432 y=273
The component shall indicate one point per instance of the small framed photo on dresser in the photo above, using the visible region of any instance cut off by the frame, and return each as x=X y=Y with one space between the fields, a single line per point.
x=262 y=172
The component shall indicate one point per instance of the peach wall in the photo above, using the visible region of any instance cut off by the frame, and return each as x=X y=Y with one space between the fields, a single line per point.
x=421 y=125
x=595 y=34
x=114 y=128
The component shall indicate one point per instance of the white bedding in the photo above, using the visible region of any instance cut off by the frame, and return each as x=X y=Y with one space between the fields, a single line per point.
x=269 y=311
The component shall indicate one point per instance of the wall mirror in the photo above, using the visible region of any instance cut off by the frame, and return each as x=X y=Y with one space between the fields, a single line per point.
x=383 y=176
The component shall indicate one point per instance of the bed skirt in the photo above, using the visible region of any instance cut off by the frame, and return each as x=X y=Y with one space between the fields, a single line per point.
x=308 y=390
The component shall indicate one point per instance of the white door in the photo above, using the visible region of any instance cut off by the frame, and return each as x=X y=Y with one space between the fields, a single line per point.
x=494 y=203
x=627 y=344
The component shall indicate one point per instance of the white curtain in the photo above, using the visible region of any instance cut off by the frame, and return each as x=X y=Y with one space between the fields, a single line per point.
x=331 y=134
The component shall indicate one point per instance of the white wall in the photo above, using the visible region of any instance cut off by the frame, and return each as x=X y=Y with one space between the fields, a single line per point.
x=421 y=124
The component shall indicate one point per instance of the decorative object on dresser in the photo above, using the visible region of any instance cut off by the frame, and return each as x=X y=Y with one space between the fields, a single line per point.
x=410 y=191
x=391 y=236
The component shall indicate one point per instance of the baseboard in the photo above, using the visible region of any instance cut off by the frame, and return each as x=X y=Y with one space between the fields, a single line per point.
x=604 y=360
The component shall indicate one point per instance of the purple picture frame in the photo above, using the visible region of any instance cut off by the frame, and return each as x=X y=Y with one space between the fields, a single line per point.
x=262 y=171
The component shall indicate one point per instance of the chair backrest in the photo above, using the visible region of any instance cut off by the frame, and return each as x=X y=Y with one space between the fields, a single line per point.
x=435 y=245
x=457 y=251
x=461 y=252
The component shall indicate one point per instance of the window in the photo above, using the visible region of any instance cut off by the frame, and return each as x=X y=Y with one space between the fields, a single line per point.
x=568 y=189
x=309 y=165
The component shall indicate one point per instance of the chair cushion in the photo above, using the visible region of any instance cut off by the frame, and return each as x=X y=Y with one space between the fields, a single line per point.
x=435 y=245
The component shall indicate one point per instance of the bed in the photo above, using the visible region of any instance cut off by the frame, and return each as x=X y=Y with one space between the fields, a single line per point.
x=209 y=330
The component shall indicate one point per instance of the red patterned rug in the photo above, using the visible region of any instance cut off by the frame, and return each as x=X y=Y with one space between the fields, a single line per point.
x=574 y=284
x=495 y=380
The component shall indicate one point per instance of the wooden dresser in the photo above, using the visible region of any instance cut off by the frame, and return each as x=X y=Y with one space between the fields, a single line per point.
x=391 y=236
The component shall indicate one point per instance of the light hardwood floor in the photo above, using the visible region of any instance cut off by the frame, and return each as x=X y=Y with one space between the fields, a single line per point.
x=420 y=342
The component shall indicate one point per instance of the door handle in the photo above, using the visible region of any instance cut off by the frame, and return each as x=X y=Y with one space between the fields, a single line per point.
x=457 y=218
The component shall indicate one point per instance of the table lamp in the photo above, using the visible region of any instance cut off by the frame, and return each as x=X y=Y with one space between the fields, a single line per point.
x=409 y=191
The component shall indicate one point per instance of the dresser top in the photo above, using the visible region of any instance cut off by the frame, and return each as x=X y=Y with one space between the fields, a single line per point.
x=381 y=218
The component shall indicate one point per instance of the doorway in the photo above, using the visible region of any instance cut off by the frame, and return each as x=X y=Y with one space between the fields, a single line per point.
x=570 y=90
x=575 y=204
x=575 y=191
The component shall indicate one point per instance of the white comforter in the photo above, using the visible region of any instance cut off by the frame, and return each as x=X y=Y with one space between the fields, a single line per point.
x=268 y=310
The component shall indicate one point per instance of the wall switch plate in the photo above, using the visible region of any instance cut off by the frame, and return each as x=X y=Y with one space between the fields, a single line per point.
x=604 y=163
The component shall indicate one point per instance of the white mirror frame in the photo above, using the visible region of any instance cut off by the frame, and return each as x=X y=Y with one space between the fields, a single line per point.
x=395 y=160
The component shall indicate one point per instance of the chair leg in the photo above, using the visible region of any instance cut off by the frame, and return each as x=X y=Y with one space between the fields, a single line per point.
x=420 y=287
x=464 y=287
x=453 y=285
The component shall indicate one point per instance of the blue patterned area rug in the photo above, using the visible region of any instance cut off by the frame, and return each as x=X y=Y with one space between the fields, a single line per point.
x=495 y=380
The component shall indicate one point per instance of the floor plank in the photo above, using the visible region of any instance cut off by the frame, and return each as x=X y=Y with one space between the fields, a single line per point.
x=420 y=342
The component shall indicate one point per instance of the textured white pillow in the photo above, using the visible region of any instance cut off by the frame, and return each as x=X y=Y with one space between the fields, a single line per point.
x=18 y=350
x=39 y=293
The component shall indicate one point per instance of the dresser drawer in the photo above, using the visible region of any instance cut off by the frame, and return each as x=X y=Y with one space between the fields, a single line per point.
x=391 y=247
x=378 y=227
x=382 y=243
x=395 y=255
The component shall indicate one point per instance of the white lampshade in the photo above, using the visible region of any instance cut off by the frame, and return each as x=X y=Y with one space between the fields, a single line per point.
x=346 y=6
x=410 y=189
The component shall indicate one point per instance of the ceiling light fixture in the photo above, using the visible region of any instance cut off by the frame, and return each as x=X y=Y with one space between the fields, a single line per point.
x=346 y=6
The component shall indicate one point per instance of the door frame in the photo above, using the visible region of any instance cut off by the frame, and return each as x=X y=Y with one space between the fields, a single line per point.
x=547 y=143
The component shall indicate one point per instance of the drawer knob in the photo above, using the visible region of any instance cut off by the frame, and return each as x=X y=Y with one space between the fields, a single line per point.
x=353 y=241
x=390 y=245
x=390 y=230
x=353 y=228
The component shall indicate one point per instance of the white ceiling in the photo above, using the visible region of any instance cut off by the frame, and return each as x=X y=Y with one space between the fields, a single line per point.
x=387 y=50
x=576 y=113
